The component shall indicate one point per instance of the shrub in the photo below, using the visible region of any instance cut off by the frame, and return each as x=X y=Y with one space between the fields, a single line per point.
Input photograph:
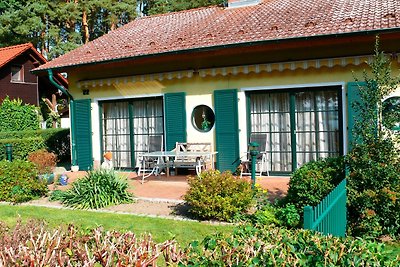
x=56 y=141
x=19 y=182
x=33 y=244
x=266 y=246
x=219 y=196
x=16 y=116
x=98 y=189
x=43 y=160
x=373 y=162
x=314 y=180
x=288 y=216
x=21 y=147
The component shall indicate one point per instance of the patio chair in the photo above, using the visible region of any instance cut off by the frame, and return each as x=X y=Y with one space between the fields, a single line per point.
x=262 y=161
x=149 y=165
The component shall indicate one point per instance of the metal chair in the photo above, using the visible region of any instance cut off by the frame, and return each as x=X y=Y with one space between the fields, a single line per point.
x=148 y=165
x=262 y=161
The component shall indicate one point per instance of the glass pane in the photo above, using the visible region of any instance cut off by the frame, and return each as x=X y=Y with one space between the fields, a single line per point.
x=327 y=100
x=305 y=101
x=305 y=121
x=280 y=122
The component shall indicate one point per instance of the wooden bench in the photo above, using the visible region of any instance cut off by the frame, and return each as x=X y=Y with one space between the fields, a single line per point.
x=192 y=156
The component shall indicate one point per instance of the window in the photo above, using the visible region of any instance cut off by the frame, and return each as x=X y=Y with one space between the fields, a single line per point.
x=391 y=113
x=299 y=126
x=17 y=73
x=128 y=126
x=203 y=118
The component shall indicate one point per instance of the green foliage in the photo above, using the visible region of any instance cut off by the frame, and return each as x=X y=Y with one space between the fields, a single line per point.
x=313 y=181
x=21 y=147
x=151 y=7
x=288 y=216
x=56 y=141
x=56 y=27
x=98 y=189
x=16 y=116
x=373 y=162
x=219 y=196
x=19 y=182
x=266 y=246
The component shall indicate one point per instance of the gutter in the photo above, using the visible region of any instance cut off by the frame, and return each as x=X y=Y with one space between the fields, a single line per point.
x=60 y=87
x=232 y=45
x=71 y=112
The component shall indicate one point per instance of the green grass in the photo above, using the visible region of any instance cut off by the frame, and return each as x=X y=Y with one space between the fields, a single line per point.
x=160 y=229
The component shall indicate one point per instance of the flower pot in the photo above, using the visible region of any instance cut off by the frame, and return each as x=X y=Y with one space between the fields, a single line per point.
x=47 y=177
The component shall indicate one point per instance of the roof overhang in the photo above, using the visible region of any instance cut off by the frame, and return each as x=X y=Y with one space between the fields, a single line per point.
x=343 y=44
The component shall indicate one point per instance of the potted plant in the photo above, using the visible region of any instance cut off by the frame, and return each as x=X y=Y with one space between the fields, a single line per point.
x=45 y=162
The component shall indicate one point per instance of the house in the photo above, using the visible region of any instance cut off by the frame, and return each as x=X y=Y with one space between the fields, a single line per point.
x=280 y=72
x=16 y=79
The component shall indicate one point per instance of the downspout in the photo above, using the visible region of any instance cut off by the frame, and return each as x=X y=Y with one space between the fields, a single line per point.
x=71 y=112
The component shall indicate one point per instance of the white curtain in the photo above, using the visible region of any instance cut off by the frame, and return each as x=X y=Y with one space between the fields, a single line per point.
x=116 y=134
x=317 y=126
x=146 y=120
x=270 y=114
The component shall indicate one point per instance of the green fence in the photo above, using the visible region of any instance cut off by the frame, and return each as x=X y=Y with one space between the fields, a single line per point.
x=329 y=216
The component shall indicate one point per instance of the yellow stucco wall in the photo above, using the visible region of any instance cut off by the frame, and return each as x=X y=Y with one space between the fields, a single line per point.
x=200 y=91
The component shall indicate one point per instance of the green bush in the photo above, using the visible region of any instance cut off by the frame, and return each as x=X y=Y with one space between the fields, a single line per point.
x=313 y=181
x=98 y=189
x=56 y=141
x=374 y=190
x=266 y=246
x=19 y=182
x=288 y=216
x=373 y=163
x=219 y=196
x=16 y=116
x=21 y=147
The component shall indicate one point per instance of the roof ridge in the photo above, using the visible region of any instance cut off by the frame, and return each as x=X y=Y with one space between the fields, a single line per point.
x=180 y=12
x=17 y=46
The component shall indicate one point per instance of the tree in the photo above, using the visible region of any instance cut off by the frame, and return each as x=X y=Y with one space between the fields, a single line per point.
x=152 y=7
x=56 y=27
x=374 y=163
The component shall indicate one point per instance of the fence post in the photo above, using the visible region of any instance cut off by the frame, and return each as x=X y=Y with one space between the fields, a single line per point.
x=308 y=217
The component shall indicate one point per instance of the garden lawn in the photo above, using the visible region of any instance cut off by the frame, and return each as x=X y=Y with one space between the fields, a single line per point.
x=160 y=229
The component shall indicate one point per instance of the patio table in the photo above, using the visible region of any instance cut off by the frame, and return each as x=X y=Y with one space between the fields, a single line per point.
x=163 y=159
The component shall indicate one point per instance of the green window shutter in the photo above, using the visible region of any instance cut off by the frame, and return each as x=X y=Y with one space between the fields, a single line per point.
x=226 y=129
x=82 y=134
x=175 y=119
x=352 y=114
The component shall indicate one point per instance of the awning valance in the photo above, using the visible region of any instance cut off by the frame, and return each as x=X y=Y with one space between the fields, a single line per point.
x=232 y=70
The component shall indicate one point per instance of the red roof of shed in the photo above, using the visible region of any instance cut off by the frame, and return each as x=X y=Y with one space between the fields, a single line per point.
x=220 y=26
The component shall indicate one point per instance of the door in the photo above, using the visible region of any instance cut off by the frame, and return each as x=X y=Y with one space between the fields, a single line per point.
x=300 y=125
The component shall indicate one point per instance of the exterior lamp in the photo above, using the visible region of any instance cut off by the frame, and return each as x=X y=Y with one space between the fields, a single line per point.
x=9 y=152
x=253 y=149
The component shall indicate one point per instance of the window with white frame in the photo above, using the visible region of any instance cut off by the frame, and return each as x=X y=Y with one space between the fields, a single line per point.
x=17 y=73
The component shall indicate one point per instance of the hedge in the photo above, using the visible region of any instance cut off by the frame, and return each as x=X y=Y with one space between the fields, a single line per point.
x=24 y=142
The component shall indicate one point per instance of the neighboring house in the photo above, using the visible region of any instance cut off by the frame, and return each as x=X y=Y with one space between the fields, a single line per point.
x=277 y=71
x=16 y=79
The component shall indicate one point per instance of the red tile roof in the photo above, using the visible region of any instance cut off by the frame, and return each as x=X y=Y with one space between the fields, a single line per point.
x=219 y=26
x=9 y=53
